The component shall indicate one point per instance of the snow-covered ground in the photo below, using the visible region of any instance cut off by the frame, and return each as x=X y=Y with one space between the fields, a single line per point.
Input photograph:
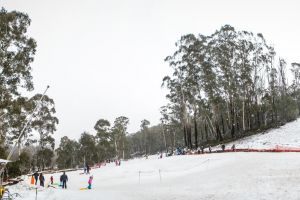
x=223 y=176
x=287 y=136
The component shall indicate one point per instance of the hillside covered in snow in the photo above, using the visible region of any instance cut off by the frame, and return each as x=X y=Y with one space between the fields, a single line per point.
x=286 y=136
x=212 y=176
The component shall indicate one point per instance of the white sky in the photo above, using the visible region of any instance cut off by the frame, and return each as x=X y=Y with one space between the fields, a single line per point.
x=104 y=59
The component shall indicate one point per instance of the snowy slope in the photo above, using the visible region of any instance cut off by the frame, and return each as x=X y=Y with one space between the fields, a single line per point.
x=287 y=135
x=233 y=176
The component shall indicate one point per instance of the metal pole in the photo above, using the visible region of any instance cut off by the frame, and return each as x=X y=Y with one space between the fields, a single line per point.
x=24 y=128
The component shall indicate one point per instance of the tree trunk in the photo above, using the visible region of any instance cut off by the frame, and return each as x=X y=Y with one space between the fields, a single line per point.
x=244 y=126
x=116 y=148
x=185 y=136
x=164 y=137
x=206 y=131
x=196 y=131
x=123 y=149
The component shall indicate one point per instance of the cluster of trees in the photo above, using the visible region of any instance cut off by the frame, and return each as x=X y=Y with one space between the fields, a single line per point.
x=20 y=113
x=109 y=142
x=226 y=85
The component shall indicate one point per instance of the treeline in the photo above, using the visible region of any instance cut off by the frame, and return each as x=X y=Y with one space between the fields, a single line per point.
x=226 y=85
x=109 y=142
x=223 y=86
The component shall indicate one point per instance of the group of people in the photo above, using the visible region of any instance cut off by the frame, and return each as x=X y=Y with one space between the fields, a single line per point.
x=36 y=176
x=63 y=179
x=39 y=176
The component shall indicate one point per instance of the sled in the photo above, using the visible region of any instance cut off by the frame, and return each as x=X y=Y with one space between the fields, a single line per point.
x=83 y=189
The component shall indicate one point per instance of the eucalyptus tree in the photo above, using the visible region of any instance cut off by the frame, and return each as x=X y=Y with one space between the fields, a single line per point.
x=146 y=138
x=119 y=131
x=44 y=122
x=16 y=55
x=183 y=79
x=296 y=83
x=88 y=152
x=104 y=139
x=67 y=153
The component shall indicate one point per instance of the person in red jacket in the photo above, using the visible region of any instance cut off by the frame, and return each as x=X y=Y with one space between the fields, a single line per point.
x=51 y=179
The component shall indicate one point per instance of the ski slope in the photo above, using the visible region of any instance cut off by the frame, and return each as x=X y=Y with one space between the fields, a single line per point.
x=214 y=176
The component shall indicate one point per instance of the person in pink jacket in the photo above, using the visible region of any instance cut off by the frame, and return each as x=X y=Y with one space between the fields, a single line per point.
x=90 y=182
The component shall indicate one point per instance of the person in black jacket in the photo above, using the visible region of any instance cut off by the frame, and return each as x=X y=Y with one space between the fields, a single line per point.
x=42 y=180
x=88 y=169
x=36 y=177
x=64 y=179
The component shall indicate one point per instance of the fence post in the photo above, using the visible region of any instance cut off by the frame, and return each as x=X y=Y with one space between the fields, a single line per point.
x=159 y=175
x=139 y=177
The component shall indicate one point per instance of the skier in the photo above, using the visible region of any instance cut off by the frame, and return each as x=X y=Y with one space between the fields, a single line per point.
x=64 y=179
x=36 y=177
x=42 y=179
x=90 y=182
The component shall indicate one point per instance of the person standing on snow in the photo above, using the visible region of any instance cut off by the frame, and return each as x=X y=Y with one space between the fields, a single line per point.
x=36 y=177
x=51 y=180
x=64 y=179
x=42 y=180
x=88 y=169
x=90 y=182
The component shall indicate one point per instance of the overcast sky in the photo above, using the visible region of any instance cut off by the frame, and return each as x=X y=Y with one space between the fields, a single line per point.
x=104 y=59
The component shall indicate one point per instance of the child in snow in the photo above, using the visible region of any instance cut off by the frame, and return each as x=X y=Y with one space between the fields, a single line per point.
x=90 y=182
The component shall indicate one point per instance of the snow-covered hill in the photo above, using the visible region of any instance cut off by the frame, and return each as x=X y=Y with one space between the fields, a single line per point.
x=287 y=135
x=233 y=176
